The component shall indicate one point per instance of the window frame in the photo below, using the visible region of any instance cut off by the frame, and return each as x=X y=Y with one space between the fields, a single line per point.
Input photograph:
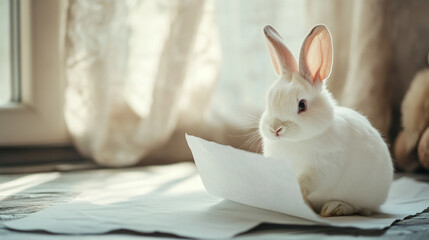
x=36 y=116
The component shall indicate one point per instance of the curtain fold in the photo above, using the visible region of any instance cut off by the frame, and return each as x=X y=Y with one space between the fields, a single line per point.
x=113 y=117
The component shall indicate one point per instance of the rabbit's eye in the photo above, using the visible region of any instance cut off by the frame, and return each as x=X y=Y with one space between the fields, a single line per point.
x=302 y=106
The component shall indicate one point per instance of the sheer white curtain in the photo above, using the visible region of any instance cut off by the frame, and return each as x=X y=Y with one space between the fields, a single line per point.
x=139 y=74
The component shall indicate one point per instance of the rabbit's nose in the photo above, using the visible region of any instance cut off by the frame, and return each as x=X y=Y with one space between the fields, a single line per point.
x=277 y=127
x=279 y=131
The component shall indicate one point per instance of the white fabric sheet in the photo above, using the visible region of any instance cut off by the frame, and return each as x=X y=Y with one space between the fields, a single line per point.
x=172 y=199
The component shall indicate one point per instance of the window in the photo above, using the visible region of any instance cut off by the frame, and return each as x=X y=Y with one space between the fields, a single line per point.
x=5 y=75
x=31 y=84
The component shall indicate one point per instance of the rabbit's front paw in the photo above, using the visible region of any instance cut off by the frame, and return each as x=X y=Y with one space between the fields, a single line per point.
x=336 y=208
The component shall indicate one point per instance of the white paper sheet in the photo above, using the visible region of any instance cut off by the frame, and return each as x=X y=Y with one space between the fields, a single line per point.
x=168 y=199
x=270 y=184
x=172 y=199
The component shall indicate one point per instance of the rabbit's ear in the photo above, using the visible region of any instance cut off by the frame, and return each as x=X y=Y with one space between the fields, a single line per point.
x=282 y=59
x=315 y=60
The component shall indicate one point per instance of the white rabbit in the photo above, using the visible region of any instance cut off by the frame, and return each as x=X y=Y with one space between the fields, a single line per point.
x=342 y=163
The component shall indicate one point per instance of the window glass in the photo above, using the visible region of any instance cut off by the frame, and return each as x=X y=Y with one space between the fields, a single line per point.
x=5 y=76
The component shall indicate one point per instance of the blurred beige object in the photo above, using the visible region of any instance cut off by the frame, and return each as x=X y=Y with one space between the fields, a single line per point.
x=404 y=159
x=409 y=154
x=415 y=109
x=423 y=149
x=360 y=77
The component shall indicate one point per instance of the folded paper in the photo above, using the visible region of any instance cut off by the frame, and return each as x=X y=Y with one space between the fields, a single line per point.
x=271 y=184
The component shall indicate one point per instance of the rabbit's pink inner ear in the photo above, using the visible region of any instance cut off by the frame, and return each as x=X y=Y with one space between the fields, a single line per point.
x=273 y=57
x=281 y=57
x=315 y=61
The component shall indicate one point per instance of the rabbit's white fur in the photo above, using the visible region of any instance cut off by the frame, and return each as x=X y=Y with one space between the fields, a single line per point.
x=342 y=163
